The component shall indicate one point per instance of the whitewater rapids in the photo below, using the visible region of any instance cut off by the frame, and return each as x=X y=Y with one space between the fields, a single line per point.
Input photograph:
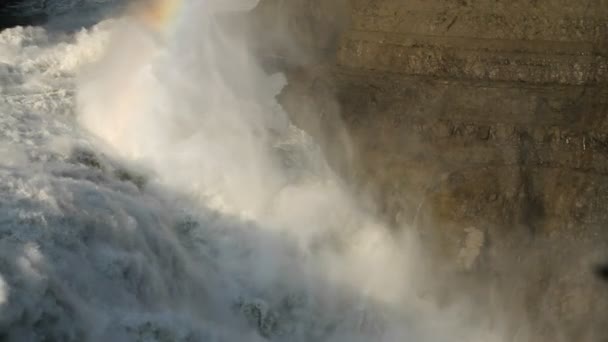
x=152 y=189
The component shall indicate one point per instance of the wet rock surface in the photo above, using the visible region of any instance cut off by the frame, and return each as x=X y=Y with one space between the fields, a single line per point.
x=482 y=124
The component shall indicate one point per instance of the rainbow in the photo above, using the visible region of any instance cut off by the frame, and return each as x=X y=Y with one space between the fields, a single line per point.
x=159 y=14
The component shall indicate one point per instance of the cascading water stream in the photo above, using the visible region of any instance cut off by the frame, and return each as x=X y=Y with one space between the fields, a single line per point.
x=208 y=216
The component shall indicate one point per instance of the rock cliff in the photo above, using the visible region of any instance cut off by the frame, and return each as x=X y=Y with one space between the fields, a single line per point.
x=481 y=123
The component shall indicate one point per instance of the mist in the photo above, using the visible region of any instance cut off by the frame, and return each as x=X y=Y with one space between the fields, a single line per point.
x=203 y=212
x=194 y=106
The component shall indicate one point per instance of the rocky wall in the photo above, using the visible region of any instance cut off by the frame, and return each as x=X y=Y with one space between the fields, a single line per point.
x=483 y=125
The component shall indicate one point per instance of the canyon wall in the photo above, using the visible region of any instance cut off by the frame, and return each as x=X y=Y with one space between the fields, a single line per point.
x=483 y=125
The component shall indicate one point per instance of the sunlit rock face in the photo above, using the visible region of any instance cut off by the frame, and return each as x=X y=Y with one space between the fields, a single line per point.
x=483 y=124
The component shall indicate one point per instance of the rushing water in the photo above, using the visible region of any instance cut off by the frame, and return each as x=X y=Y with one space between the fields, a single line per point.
x=152 y=189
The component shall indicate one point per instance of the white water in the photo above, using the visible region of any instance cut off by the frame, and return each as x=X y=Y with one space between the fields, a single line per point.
x=151 y=189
